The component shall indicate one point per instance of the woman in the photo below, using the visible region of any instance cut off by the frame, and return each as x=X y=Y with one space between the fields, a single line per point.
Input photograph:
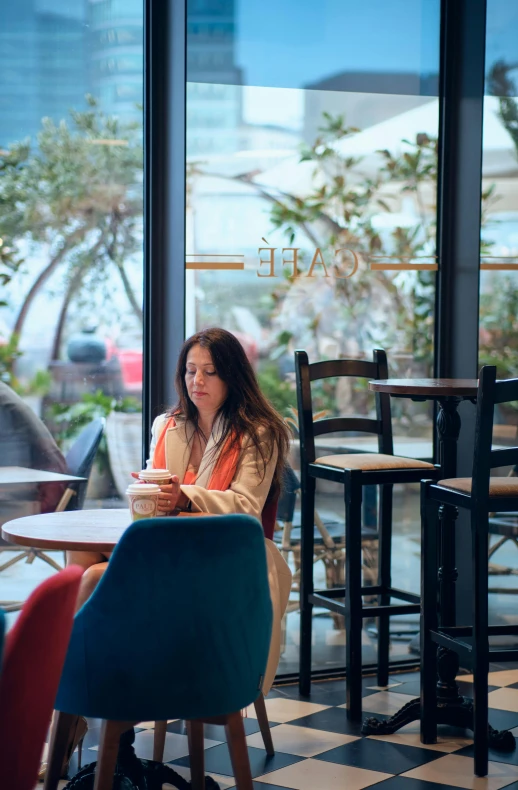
x=223 y=440
x=226 y=448
x=224 y=444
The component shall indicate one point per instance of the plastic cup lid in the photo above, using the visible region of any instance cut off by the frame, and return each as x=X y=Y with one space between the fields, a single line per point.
x=154 y=474
x=143 y=488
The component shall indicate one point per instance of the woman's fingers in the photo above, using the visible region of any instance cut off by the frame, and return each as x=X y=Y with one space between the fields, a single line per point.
x=169 y=495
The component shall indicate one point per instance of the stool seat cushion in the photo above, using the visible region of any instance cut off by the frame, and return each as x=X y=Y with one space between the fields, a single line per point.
x=498 y=486
x=371 y=461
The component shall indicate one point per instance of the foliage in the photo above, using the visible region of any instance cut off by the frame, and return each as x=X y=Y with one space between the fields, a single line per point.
x=9 y=353
x=76 y=194
x=501 y=84
x=10 y=260
x=499 y=327
x=72 y=418
x=392 y=310
x=388 y=309
x=281 y=394
x=499 y=299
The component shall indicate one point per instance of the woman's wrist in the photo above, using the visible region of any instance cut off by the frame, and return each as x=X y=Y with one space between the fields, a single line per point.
x=183 y=503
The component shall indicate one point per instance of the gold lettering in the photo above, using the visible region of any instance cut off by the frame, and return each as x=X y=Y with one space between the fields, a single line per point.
x=355 y=263
x=270 y=260
x=317 y=259
x=294 y=261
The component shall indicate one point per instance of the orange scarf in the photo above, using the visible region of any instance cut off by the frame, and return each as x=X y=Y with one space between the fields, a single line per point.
x=222 y=475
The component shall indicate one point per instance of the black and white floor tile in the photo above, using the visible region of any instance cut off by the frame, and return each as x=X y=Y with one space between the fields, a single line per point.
x=317 y=748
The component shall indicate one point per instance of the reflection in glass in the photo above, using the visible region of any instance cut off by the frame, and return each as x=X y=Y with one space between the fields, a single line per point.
x=311 y=171
x=71 y=81
x=498 y=310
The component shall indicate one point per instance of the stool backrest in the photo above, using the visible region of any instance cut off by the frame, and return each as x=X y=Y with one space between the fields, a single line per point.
x=307 y=373
x=490 y=393
x=178 y=627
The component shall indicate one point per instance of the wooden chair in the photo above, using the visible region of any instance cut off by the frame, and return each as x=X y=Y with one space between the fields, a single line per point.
x=262 y=720
x=481 y=495
x=353 y=471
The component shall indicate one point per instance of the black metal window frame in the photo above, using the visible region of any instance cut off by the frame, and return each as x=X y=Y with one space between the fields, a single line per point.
x=462 y=79
x=164 y=203
x=459 y=194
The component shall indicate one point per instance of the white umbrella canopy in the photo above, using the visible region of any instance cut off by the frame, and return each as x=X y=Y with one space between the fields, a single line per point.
x=299 y=178
x=498 y=147
x=291 y=176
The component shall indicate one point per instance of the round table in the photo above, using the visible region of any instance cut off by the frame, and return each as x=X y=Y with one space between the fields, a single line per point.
x=72 y=530
x=453 y=709
x=449 y=393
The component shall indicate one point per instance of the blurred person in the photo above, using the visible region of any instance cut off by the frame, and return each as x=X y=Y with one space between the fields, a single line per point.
x=26 y=441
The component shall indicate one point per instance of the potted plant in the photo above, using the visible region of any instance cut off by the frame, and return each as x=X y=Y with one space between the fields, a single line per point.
x=110 y=466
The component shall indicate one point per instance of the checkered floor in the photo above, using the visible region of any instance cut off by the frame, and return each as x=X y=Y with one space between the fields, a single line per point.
x=317 y=748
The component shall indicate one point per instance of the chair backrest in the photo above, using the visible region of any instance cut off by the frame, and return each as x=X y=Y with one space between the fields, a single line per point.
x=288 y=496
x=81 y=456
x=178 y=627
x=307 y=373
x=35 y=649
x=490 y=393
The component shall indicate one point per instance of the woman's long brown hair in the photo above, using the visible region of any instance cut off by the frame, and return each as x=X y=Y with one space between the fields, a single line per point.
x=245 y=410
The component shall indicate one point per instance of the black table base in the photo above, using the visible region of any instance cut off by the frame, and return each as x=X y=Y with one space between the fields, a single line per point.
x=456 y=713
x=131 y=773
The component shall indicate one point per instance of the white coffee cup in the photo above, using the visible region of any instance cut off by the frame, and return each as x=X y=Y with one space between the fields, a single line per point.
x=143 y=499
x=161 y=477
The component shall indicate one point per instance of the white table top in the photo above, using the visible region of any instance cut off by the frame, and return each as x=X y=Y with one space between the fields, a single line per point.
x=11 y=475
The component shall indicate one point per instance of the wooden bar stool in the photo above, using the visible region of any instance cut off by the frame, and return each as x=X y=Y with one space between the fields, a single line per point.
x=481 y=494
x=353 y=471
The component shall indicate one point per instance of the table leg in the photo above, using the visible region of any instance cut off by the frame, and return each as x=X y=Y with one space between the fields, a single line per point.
x=452 y=708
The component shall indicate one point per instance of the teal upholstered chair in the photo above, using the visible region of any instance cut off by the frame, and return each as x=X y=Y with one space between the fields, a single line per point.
x=178 y=627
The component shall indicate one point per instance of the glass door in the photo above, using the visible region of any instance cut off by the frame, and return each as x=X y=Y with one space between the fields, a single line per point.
x=498 y=312
x=311 y=207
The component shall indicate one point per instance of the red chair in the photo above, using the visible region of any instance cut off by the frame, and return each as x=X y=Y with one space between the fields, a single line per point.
x=34 y=655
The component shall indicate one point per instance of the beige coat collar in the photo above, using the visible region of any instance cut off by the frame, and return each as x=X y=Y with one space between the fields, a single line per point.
x=178 y=449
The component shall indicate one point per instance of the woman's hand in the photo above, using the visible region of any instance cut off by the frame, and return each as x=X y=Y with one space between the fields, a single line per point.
x=169 y=495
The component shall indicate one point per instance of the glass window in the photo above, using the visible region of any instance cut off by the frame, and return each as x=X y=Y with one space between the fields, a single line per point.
x=311 y=162
x=498 y=317
x=71 y=251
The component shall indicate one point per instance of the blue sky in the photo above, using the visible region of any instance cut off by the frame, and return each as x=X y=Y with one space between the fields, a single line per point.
x=502 y=31
x=290 y=43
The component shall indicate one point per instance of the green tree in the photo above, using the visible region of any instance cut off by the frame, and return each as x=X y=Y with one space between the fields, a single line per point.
x=382 y=307
x=499 y=301
x=77 y=194
x=10 y=260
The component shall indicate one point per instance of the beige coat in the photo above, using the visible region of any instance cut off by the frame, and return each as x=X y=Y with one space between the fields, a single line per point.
x=247 y=494
x=249 y=489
